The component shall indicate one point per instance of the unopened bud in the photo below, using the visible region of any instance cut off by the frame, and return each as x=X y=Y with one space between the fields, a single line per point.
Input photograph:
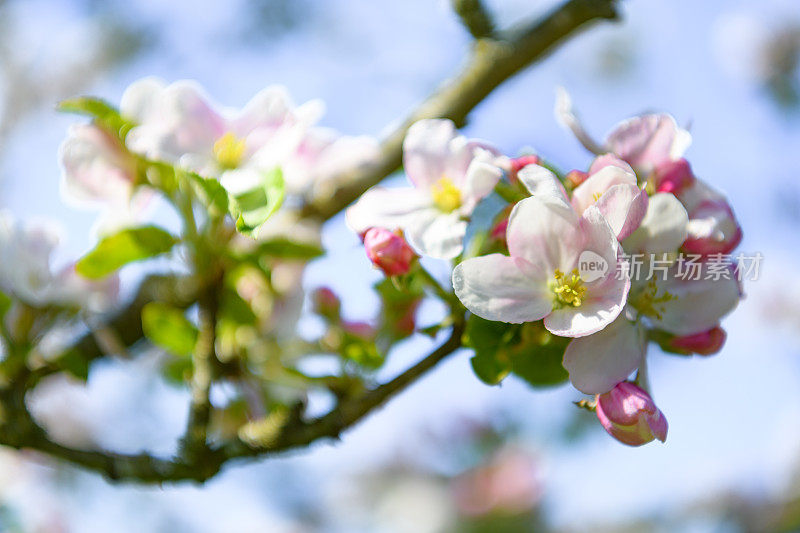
x=704 y=343
x=673 y=176
x=388 y=251
x=629 y=415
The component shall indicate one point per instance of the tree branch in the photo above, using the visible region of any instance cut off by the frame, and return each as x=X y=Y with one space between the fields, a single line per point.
x=491 y=62
x=20 y=431
x=475 y=17
x=203 y=358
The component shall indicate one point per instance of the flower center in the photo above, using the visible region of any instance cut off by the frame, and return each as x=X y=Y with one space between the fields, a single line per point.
x=568 y=290
x=596 y=196
x=649 y=302
x=229 y=150
x=446 y=195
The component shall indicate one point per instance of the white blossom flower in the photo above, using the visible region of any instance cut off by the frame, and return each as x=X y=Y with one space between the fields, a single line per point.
x=450 y=174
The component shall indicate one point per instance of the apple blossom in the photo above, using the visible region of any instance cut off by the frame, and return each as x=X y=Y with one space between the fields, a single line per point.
x=450 y=175
x=270 y=131
x=388 y=251
x=629 y=415
x=540 y=278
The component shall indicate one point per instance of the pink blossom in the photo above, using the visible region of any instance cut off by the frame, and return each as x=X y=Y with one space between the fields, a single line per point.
x=540 y=278
x=629 y=415
x=389 y=251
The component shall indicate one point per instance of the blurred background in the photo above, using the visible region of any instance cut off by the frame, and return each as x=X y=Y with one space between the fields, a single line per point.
x=451 y=454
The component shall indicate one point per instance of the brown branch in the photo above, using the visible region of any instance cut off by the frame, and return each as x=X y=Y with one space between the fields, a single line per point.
x=491 y=62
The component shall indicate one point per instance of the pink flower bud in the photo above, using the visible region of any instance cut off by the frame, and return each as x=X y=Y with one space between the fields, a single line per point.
x=519 y=163
x=576 y=177
x=704 y=343
x=629 y=415
x=673 y=176
x=388 y=251
x=713 y=229
x=326 y=303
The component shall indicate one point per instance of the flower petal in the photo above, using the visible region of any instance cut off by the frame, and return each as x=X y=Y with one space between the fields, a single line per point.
x=648 y=140
x=479 y=181
x=543 y=184
x=427 y=149
x=697 y=305
x=501 y=288
x=624 y=207
x=598 y=362
x=663 y=228
x=385 y=208
x=436 y=234
x=588 y=192
x=140 y=99
x=544 y=234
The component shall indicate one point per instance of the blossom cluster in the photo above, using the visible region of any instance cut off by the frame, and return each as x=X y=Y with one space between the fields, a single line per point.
x=178 y=124
x=558 y=254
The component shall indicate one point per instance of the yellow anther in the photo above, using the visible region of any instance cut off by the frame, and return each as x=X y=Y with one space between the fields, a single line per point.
x=568 y=290
x=446 y=195
x=649 y=302
x=596 y=196
x=229 y=150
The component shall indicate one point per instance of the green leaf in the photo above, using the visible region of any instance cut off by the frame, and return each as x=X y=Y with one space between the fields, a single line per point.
x=527 y=351
x=253 y=207
x=211 y=193
x=539 y=365
x=287 y=249
x=100 y=110
x=123 y=247
x=168 y=328
x=490 y=369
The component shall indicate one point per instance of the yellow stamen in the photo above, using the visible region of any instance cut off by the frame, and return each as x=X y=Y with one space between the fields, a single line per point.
x=649 y=302
x=229 y=150
x=446 y=195
x=596 y=196
x=568 y=290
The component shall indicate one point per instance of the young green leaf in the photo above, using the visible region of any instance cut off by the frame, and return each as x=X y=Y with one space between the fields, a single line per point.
x=253 y=207
x=100 y=110
x=123 y=247
x=169 y=328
